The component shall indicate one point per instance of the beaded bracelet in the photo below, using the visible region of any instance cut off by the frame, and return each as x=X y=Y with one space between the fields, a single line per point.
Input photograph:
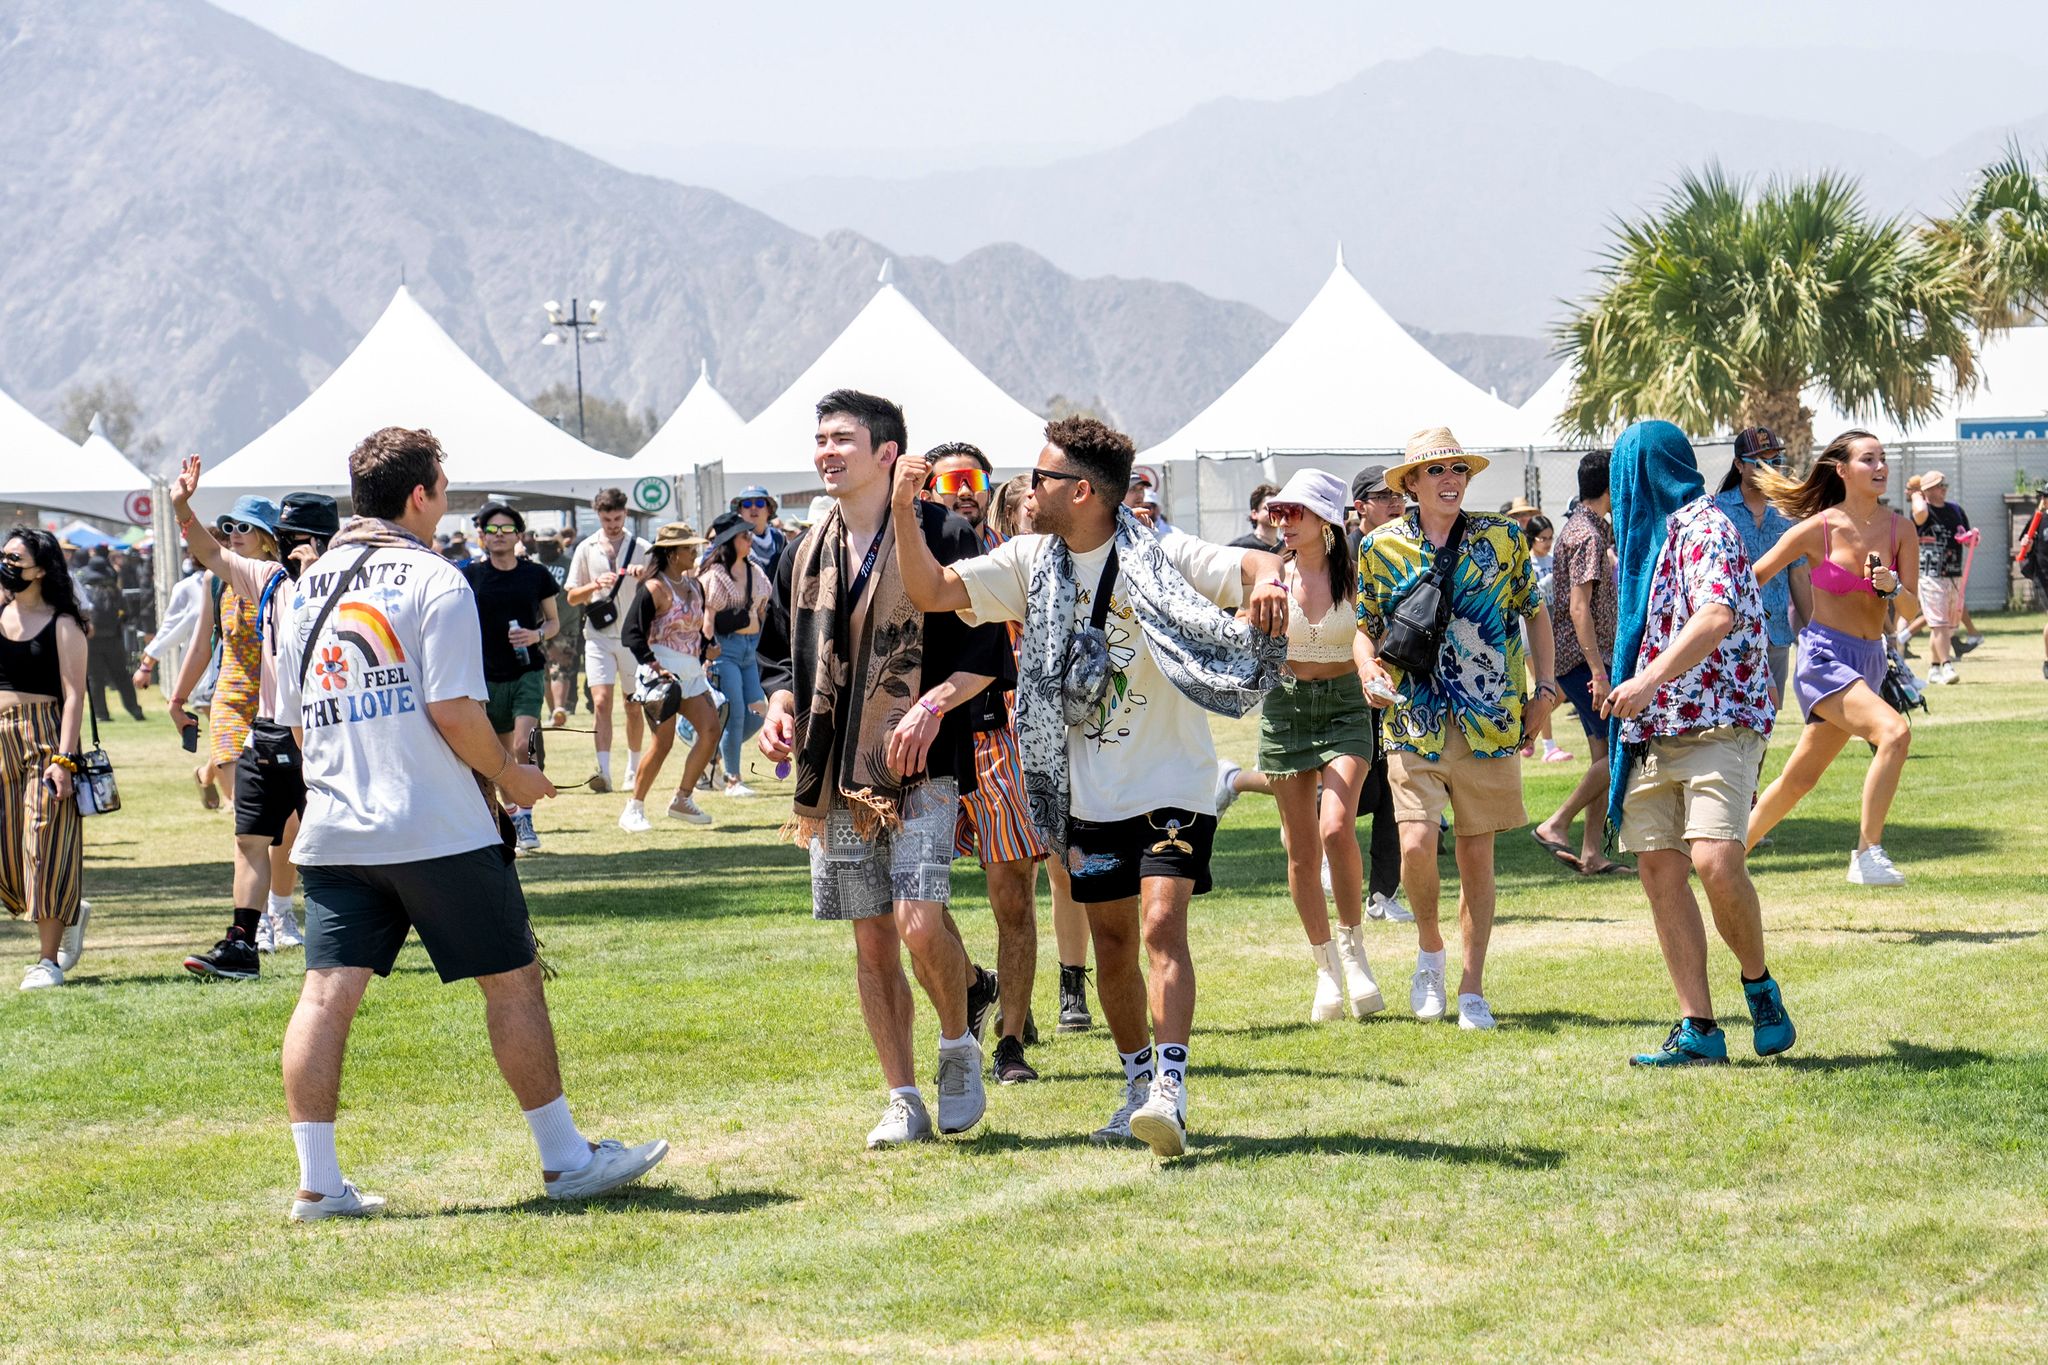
x=64 y=761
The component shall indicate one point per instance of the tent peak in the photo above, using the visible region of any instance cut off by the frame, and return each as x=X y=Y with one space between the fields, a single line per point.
x=96 y=427
x=887 y=277
x=704 y=368
x=1340 y=253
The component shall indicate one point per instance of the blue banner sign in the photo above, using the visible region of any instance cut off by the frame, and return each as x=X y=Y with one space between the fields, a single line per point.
x=2002 y=428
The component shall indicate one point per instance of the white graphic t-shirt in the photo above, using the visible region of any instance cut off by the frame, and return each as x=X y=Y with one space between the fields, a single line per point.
x=382 y=786
x=594 y=558
x=1147 y=747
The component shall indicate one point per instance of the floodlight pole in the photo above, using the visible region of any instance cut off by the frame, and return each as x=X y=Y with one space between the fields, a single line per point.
x=576 y=324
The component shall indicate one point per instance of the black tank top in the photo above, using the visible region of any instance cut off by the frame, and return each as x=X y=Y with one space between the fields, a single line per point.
x=31 y=665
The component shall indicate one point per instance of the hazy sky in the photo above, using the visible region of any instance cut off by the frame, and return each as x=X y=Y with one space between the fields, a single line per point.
x=620 y=78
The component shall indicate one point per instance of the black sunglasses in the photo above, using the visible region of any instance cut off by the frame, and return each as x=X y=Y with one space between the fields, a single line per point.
x=1039 y=476
x=16 y=561
x=747 y=504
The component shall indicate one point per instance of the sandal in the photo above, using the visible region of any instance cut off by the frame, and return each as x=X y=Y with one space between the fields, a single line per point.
x=1561 y=852
x=1611 y=870
x=209 y=794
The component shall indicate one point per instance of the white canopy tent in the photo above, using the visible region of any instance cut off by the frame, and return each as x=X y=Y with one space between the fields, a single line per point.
x=1543 y=409
x=2011 y=393
x=703 y=428
x=892 y=350
x=41 y=468
x=407 y=372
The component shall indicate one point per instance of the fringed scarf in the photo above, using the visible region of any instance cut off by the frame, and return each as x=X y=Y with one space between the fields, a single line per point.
x=1215 y=660
x=846 y=705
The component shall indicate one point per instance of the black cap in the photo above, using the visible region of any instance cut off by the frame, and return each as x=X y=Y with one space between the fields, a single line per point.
x=310 y=514
x=726 y=528
x=496 y=508
x=1367 y=481
x=1757 y=442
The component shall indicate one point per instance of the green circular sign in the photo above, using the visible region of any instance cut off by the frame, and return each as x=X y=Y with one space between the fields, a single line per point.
x=651 y=494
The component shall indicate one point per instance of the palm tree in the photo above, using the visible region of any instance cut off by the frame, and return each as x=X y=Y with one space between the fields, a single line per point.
x=1998 y=239
x=1718 y=310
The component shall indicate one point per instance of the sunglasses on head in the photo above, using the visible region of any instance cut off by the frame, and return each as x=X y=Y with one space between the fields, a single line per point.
x=1437 y=471
x=1039 y=476
x=957 y=481
x=749 y=504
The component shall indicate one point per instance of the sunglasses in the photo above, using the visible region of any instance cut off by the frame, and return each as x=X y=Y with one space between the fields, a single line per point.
x=1437 y=471
x=1285 y=511
x=242 y=528
x=15 y=561
x=500 y=528
x=749 y=504
x=1774 y=459
x=956 y=481
x=1039 y=476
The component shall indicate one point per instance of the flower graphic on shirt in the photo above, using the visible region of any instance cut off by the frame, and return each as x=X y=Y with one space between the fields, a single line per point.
x=332 y=668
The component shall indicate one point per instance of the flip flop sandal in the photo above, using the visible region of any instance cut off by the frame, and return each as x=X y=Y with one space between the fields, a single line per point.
x=1611 y=870
x=1561 y=852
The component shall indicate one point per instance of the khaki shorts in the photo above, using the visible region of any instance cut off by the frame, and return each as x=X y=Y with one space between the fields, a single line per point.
x=1688 y=787
x=1940 y=598
x=1484 y=794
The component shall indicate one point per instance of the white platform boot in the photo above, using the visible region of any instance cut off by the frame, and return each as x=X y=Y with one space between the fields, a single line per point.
x=1329 y=1003
x=1358 y=978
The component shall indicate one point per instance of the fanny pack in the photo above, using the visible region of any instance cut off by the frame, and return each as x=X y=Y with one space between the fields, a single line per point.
x=1084 y=678
x=1415 y=627
x=601 y=612
x=272 y=744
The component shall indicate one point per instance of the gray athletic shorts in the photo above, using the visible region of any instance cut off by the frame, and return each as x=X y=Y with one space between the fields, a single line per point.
x=1781 y=667
x=914 y=863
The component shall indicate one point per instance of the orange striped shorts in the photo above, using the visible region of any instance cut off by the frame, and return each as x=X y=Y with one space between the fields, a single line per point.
x=995 y=818
x=42 y=840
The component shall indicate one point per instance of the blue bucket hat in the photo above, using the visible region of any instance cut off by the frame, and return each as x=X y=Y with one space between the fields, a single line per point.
x=257 y=511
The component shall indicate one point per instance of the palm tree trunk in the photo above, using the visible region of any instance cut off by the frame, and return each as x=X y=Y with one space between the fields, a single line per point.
x=1783 y=413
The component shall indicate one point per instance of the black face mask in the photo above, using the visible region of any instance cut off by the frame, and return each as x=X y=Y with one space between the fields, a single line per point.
x=12 y=578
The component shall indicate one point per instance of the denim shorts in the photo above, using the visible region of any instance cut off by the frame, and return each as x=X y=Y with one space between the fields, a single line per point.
x=1303 y=725
x=1577 y=686
x=913 y=863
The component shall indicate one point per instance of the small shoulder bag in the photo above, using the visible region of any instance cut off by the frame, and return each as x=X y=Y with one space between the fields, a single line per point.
x=1415 y=627
x=93 y=786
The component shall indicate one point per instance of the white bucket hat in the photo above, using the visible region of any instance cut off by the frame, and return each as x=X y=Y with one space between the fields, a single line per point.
x=1322 y=494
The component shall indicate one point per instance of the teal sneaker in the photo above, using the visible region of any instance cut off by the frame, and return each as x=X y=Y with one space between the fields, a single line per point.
x=1687 y=1046
x=1774 y=1031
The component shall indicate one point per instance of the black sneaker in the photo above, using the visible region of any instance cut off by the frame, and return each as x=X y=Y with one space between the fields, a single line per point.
x=981 y=998
x=1074 y=1017
x=1011 y=1068
x=1030 y=1033
x=232 y=958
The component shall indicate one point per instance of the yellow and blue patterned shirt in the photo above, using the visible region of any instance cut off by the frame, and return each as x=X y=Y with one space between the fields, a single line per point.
x=1481 y=677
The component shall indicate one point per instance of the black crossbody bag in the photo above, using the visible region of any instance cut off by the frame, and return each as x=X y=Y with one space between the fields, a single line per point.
x=733 y=620
x=602 y=611
x=1415 y=627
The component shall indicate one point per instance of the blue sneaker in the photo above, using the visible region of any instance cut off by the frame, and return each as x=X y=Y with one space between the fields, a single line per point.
x=1687 y=1046
x=1774 y=1031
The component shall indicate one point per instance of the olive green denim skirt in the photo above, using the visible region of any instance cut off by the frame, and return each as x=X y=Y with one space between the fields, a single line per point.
x=1306 y=724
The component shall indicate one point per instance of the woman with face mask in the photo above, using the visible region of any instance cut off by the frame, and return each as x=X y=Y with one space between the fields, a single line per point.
x=42 y=705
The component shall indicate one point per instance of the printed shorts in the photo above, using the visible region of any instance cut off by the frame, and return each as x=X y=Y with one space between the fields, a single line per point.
x=995 y=818
x=1109 y=860
x=914 y=863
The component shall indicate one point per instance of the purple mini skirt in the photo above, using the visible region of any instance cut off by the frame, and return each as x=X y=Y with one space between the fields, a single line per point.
x=1830 y=660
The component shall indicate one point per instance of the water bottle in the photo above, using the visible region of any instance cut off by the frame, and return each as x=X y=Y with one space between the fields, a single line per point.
x=519 y=652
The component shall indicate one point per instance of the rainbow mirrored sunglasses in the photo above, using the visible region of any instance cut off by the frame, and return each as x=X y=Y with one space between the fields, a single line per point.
x=953 y=482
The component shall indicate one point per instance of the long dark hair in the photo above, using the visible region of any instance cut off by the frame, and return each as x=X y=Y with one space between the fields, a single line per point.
x=58 y=593
x=1733 y=477
x=1343 y=574
x=727 y=555
x=1821 y=488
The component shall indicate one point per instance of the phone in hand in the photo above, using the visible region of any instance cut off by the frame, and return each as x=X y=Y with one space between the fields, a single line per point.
x=189 y=737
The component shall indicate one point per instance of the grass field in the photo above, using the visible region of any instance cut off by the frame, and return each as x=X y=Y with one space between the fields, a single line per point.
x=1387 y=1190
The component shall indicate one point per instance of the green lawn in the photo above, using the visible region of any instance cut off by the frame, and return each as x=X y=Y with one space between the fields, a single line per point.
x=1382 y=1191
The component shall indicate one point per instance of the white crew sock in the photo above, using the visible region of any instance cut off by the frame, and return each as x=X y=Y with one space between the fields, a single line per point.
x=1173 y=1061
x=513 y=811
x=604 y=764
x=280 y=905
x=1137 y=1065
x=909 y=1092
x=562 y=1147
x=319 y=1168
x=632 y=766
x=1433 y=961
x=965 y=1040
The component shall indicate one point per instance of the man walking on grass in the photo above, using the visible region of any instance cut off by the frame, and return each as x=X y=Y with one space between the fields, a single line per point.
x=1453 y=731
x=1584 y=574
x=600 y=583
x=872 y=709
x=381 y=677
x=1693 y=713
x=1124 y=650
x=515 y=603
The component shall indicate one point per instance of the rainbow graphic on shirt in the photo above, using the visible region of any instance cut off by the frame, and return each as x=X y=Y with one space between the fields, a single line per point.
x=369 y=630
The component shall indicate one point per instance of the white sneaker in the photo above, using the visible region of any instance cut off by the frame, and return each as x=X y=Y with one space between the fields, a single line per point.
x=72 y=944
x=1388 y=908
x=286 y=930
x=904 y=1121
x=1158 y=1122
x=962 y=1097
x=1118 y=1129
x=685 y=807
x=1358 y=978
x=1226 y=774
x=1872 y=867
x=740 y=791
x=633 y=819
x=1474 y=1012
x=44 y=973
x=611 y=1165
x=266 y=932
x=1426 y=993
x=1328 y=1005
x=350 y=1203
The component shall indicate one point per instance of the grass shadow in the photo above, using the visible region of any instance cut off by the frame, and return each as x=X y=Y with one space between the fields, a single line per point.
x=1904 y=1055
x=653 y=1198
x=1555 y=1021
x=1927 y=938
x=1224 y=1147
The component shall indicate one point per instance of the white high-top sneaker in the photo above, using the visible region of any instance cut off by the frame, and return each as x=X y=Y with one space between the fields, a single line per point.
x=1329 y=1002
x=1358 y=979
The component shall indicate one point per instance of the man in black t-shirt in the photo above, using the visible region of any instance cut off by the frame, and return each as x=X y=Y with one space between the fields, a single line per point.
x=1264 y=535
x=516 y=605
x=1942 y=524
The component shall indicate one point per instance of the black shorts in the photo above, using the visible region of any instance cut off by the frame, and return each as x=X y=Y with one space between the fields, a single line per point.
x=468 y=908
x=270 y=784
x=1109 y=860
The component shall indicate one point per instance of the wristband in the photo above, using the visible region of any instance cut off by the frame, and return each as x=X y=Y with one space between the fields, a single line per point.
x=926 y=703
x=505 y=762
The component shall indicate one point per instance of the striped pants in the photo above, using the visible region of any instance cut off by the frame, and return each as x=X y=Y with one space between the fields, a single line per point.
x=995 y=818
x=42 y=842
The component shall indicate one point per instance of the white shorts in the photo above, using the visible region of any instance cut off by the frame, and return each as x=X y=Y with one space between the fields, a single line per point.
x=1939 y=598
x=688 y=671
x=605 y=661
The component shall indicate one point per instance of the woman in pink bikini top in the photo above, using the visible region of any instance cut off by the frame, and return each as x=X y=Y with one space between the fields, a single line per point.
x=1852 y=540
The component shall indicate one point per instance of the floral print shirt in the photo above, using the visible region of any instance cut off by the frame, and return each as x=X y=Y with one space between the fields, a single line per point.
x=1703 y=565
x=1481 y=679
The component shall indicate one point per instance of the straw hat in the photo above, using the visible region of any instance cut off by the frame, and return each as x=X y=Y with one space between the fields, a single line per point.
x=1520 y=508
x=677 y=535
x=1428 y=446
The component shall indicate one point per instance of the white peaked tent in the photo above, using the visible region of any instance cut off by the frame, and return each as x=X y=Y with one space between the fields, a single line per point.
x=2012 y=382
x=892 y=350
x=704 y=428
x=1543 y=408
x=40 y=467
x=407 y=372
x=1345 y=376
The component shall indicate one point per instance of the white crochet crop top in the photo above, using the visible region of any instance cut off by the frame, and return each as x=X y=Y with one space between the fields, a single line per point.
x=1327 y=641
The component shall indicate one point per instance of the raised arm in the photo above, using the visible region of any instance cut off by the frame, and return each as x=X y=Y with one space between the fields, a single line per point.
x=206 y=551
x=929 y=585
